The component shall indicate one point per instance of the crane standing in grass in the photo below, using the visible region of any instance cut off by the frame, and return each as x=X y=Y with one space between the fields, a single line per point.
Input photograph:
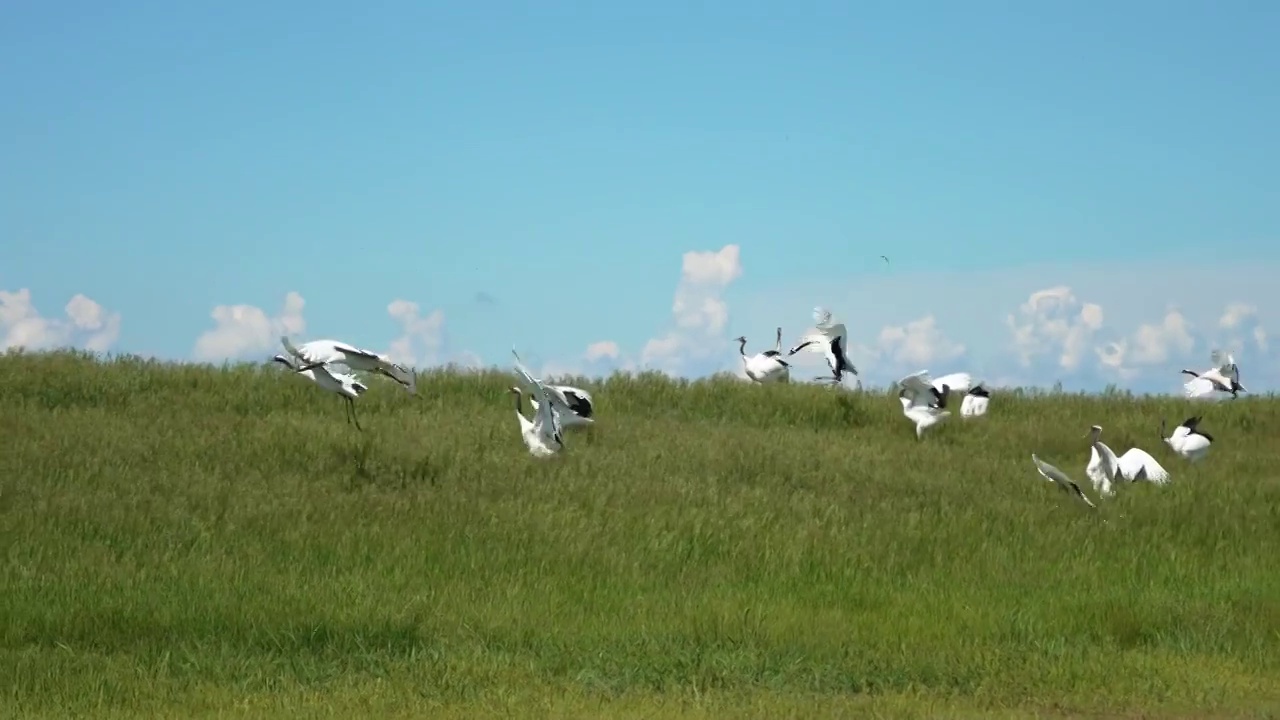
x=767 y=366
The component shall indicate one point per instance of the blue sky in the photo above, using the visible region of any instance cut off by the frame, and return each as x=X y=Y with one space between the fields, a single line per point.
x=446 y=180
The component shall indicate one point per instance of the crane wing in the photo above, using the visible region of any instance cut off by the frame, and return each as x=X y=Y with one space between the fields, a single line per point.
x=813 y=341
x=1231 y=370
x=555 y=392
x=819 y=338
x=1137 y=464
x=1108 y=464
x=1185 y=428
x=353 y=350
x=919 y=387
x=824 y=334
x=546 y=418
x=1056 y=476
x=1049 y=472
x=821 y=316
x=316 y=351
x=524 y=372
x=1199 y=387
x=576 y=399
x=289 y=348
x=958 y=382
x=838 y=332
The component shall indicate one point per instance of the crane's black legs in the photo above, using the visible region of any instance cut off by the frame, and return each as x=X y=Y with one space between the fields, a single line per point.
x=351 y=413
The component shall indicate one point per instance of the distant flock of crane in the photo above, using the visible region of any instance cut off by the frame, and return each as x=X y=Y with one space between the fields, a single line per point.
x=924 y=399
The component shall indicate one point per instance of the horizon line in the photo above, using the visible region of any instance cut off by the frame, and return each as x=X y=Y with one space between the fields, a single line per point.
x=109 y=356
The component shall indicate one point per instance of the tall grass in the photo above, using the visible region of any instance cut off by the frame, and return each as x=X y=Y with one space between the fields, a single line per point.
x=190 y=541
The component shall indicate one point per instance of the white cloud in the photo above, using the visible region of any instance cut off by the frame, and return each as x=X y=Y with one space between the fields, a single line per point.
x=1054 y=322
x=1239 y=323
x=699 y=310
x=1235 y=314
x=87 y=325
x=1024 y=328
x=1060 y=332
x=556 y=370
x=600 y=358
x=919 y=343
x=1156 y=344
x=421 y=338
x=243 y=330
x=1151 y=345
x=604 y=349
x=468 y=360
x=1112 y=356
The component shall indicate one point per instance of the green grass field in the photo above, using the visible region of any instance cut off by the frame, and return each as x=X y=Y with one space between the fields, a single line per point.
x=185 y=541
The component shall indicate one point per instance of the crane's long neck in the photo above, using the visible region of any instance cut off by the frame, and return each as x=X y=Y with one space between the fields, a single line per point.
x=1095 y=434
x=777 y=345
x=742 y=347
x=519 y=403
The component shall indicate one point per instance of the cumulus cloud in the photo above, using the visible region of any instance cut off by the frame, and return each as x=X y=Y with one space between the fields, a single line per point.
x=1151 y=345
x=700 y=316
x=600 y=358
x=240 y=331
x=602 y=350
x=1058 y=333
x=1054 y=323
x=1052 y=327
x=699 y=311
x=421 y=339
x=87 y=324
x=1235 y=314
x=1087 y=325
x=468 y=360
x=1157 y=343
x=919 y=343
x=1240 y=323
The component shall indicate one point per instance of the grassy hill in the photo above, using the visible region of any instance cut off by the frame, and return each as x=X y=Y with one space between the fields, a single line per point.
x=197 y=542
